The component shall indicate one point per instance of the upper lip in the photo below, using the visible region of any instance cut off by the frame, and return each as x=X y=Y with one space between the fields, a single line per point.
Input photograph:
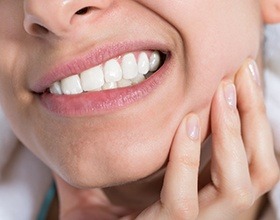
x=90 y=59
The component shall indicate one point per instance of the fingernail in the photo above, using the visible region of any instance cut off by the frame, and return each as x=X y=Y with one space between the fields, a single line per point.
x=230 y=95
x=255 y=73
x=193 y=127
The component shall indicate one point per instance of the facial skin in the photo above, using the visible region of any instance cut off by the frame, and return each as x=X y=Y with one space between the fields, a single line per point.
x=207 y=40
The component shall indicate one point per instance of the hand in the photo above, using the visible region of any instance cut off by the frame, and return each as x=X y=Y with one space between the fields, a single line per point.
x=243 y=165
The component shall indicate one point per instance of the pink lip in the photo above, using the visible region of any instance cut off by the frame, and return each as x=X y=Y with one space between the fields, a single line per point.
x=93 y=58
x=92 y=103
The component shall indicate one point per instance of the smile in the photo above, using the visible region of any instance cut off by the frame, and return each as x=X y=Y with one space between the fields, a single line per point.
x=124 y=71
x=104 y=79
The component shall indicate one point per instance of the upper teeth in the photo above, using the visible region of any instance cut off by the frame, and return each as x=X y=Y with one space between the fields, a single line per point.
x=112 y=74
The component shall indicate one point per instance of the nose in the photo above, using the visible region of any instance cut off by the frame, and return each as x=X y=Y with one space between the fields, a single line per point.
x=60 y=17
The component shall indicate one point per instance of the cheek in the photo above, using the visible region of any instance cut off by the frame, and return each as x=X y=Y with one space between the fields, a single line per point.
x=216 y=45
x=217 y=42
x=218 y=35
x=226 y=43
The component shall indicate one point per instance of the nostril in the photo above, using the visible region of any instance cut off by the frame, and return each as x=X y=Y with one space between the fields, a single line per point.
x=39 y=29
x=83 y=11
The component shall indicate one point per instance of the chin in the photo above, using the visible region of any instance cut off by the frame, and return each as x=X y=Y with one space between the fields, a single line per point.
x=117 y=164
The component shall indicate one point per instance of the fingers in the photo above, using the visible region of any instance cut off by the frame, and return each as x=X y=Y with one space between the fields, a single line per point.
x=243 y=165
x=229 y=169
x=227 y=141
x=256 y=131
x=179 y=193
x=243 y=162
x=230 y=191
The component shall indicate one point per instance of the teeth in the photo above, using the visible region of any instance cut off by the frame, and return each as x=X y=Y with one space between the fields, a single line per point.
x=56 y=88
x=139 y=78
x=143 y=63
x=129 y=66
x=124 y=83
x=112 y=71
x=115 y=73
x=154 y=61
x=110 y=85
x=92 y=79
x=71 y=85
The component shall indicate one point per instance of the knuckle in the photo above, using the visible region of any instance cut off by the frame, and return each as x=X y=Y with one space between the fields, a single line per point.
x=189 y=162
x=274 y=178
x=243 y=199
x=261 y=108
x=181 y=209
x=270 y=179
x=231 y=127
x=185 y=210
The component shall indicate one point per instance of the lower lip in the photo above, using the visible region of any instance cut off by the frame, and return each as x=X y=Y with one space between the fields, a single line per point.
x=101 y=102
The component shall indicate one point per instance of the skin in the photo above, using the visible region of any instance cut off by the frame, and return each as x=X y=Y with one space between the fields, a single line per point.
x=106 y=150
x=47 y=139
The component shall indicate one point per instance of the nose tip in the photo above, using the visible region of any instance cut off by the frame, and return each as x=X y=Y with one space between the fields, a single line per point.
x=60 y=17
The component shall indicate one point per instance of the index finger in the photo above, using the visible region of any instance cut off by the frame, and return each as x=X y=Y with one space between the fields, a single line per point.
x=180 y=189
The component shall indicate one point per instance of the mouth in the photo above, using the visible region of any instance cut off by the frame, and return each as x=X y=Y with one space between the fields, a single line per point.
x=104 y=80
x=123 y=71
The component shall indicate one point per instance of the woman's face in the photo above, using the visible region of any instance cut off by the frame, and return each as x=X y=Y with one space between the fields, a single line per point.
x=109 y=137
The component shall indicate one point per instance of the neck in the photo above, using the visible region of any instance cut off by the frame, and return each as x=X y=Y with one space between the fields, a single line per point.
x=137 y=195
x=117 y=200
